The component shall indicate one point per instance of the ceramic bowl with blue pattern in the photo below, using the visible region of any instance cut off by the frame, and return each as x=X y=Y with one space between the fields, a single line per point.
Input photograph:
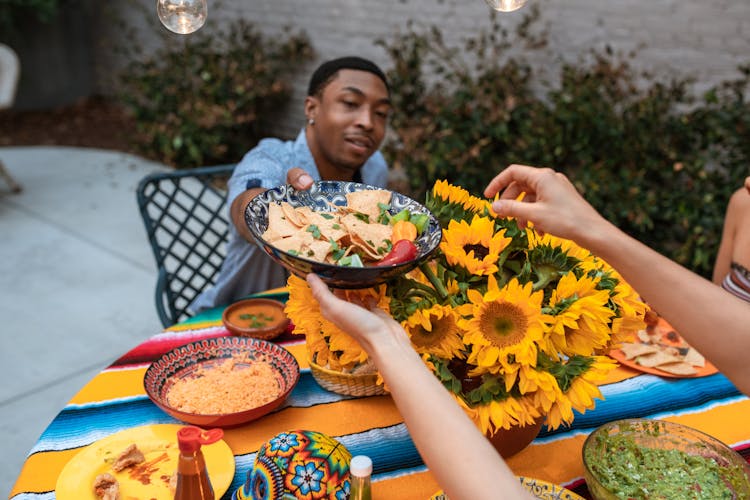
x=324 y=196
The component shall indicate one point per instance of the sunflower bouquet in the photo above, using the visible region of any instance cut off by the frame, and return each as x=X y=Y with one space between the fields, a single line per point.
x=515 y=324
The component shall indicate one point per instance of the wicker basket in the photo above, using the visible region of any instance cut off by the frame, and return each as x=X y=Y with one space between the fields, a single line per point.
x=347 y=383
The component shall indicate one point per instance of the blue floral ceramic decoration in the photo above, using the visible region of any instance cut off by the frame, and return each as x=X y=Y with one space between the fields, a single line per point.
x=320 y=197
x=298 y=464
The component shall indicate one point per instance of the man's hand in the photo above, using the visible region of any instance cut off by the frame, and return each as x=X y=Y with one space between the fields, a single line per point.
x=299 y=179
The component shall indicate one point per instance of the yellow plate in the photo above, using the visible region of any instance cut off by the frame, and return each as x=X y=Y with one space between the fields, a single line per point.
x=541 y=490
x=159 y=445
x=547 y=491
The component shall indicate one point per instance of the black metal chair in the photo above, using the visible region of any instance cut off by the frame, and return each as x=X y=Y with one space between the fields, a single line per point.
x=186 y=220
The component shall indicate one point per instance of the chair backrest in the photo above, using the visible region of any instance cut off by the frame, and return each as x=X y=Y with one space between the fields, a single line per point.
x=187 y=223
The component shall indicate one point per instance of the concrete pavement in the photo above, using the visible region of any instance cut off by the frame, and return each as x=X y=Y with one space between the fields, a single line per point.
x=76 y=282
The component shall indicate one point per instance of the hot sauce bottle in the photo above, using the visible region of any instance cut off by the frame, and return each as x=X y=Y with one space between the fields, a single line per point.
x=192 y=477
x=360 y=471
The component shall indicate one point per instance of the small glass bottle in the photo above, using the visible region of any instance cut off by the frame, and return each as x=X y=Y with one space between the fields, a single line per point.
x=192 y=477
x=360 y=471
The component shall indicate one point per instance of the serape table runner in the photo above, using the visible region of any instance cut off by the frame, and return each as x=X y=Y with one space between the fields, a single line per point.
x=115 y=400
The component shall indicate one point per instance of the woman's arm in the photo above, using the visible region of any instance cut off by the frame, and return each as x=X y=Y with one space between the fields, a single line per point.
x=461 y=458
x=713 y=321
x=724 y=255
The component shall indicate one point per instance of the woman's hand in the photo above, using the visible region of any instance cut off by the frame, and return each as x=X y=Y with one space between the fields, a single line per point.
x=551 y=202
x=369 y=325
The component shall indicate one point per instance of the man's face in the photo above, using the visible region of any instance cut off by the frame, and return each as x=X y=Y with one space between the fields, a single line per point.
x=350 y=118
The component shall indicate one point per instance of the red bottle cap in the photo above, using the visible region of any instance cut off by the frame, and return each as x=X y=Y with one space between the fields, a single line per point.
x=190 y=438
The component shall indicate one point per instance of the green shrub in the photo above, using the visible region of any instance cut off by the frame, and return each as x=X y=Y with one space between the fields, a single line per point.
x=208 y=100
x=13 y=11
x=649 y=155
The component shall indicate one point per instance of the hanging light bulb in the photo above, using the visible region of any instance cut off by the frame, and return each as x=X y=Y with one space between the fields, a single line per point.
x=506 y=5
x=182 y=16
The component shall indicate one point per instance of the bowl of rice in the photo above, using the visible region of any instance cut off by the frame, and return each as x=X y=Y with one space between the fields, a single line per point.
x=222 y=381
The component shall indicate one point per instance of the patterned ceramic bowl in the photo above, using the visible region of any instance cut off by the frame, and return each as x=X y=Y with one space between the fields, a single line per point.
x=197 y=359
x=642 y=458
x=321 y=197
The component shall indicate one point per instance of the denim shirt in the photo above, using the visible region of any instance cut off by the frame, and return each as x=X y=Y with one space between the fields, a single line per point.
x=246 y=268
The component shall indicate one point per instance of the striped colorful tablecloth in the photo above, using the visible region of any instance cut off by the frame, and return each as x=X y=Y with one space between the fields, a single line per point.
x=115 y=400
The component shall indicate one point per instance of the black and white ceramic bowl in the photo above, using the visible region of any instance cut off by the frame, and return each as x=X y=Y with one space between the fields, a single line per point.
x=320 y=197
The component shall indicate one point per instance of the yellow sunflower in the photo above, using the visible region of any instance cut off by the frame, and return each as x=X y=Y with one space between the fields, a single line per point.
x=567 y=246
x=631 y=312
x=450 y=193
x=475 y=246
x=343 y=346
x=302 y=307
x=581 y=317
x=585 y=387
x=560 y=412
x=503 y=324
x=435 y=331
x=581 y=392
x=317 y=347
x=504 y=414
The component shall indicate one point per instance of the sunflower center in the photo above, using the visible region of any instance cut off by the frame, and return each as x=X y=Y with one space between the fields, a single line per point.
x=440 y=328
x=504 y=324
x=480 y=251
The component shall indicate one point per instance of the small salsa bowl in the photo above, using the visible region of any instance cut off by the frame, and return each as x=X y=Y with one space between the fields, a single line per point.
x=258 y=318
x=324 y=196
x=191 y=360
x=630 y=458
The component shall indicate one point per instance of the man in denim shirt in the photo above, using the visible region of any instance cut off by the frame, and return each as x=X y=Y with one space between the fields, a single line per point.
x=347 y=107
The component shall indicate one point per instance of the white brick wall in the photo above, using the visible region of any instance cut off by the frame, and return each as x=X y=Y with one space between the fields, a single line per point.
x=703 y=39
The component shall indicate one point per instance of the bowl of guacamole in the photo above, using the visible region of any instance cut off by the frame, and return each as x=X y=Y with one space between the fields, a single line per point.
x=656 y=459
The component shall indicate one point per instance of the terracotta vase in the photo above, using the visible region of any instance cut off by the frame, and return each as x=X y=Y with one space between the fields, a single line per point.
x=508 y=442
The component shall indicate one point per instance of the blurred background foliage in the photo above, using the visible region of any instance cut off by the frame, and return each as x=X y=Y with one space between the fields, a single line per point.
x=209 y=99
x=654 y=159
x=12 y=12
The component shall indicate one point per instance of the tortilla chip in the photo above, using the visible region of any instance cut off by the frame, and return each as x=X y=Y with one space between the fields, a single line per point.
x=278 y=224
x=366 y=202
x=678 y=368
x=319 y=249
x=373 y=236
x=649 y=336
x=330 y=226
x=694 y=358
x=655 y=359
x=291 y=214
x=633 y=350
x=298 y=242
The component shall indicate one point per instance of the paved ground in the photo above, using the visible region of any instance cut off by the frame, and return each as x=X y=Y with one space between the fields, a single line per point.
x=76 y=282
